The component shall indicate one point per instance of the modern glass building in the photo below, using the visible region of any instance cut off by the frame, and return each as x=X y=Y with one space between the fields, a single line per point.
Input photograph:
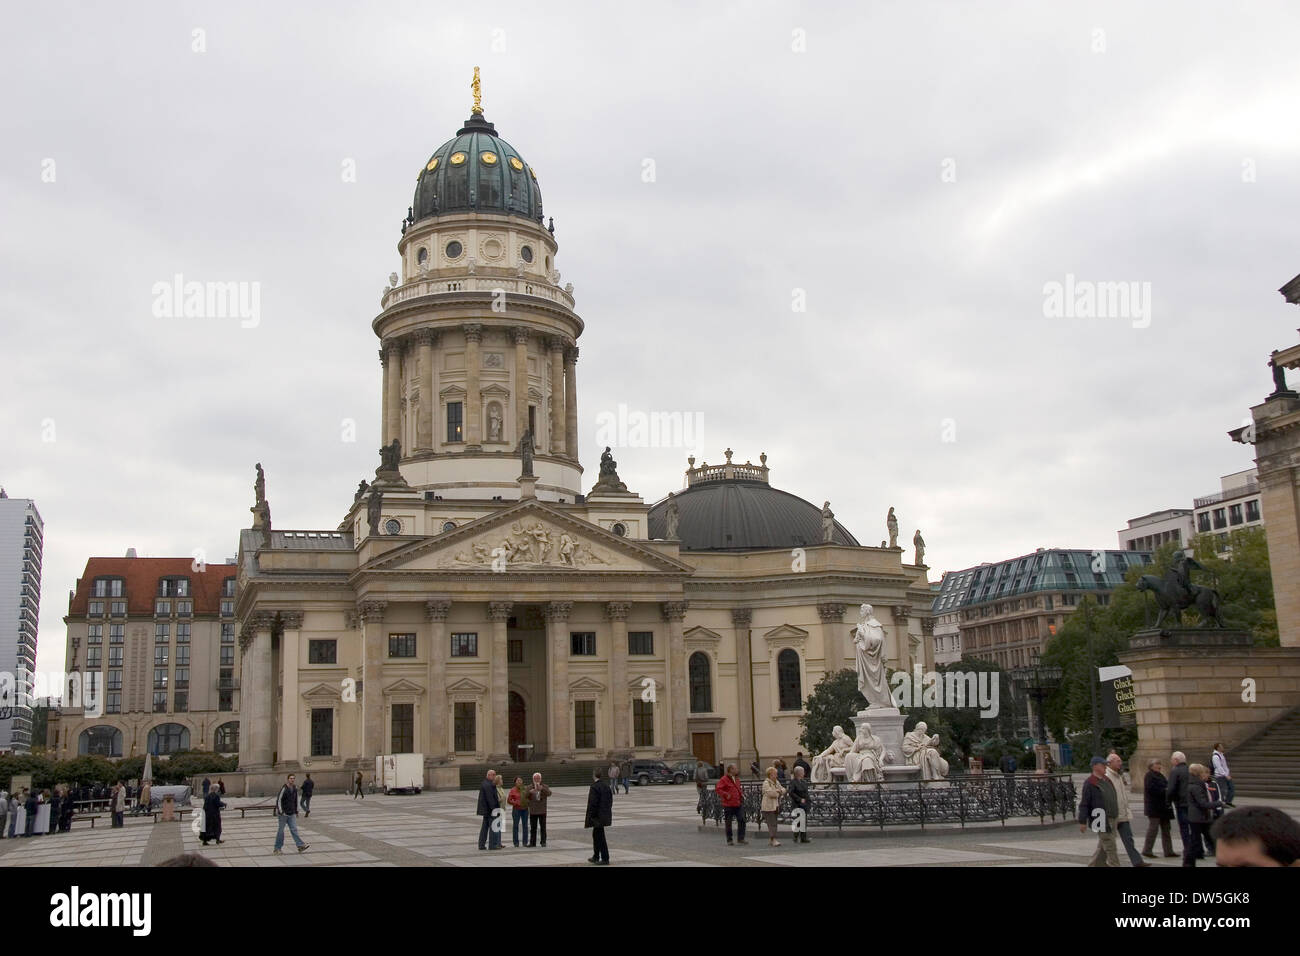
x=21 y=545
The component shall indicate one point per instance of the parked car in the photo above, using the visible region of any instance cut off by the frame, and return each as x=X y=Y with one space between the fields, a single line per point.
x=688 y=768
x=655 y=771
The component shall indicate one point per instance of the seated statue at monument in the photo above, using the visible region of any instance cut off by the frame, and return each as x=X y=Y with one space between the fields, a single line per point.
x=865 y=760
x=921 y=750
x=832 y=757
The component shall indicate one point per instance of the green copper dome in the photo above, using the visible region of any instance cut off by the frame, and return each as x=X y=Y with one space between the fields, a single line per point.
x=476 y=171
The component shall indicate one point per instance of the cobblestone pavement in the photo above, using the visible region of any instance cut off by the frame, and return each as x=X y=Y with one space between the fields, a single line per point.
x=653 y=826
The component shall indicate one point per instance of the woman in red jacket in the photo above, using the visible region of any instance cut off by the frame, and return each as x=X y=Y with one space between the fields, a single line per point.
x=728 y=790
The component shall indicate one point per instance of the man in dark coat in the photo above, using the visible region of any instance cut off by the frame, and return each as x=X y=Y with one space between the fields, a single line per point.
x=489 y=808
x=600 y=814
x=800 y=762
x=1177 y=793
x=308 y=786
x=212 y=807
x=30 y=807
x=1155 y=804
x=1099 y=810
x=799 y=800
x=207 y=785
x=1201 y=804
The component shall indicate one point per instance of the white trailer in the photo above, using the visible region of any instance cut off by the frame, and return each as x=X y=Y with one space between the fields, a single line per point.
x=400 y=772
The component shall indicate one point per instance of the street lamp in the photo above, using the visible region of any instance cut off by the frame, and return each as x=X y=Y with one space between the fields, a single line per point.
x=1039 y=681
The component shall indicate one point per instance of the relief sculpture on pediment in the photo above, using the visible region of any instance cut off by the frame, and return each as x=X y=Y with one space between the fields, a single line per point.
x=528 y=544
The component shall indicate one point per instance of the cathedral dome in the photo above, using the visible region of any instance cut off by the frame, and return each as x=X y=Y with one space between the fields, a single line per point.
x=733 y=508
x=477 y=171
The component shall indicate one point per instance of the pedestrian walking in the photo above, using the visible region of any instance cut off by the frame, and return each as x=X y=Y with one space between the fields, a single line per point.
x=358 y=791
x=69 y=808
x=308 y=786
x=1179 y=780
x=600 y=814
x=1216 y=798
x=13 y=813
x=1098 y=810
x=489 y=808
x=1124 y=821
x=1222 y=778
x=772 y=794
x=207 y=785
x=625 y=774
x=221 y=786
x=518 y=800
x=502 y=801
x=286 y=809
x=729 y=794
x=1200 y=813
x=613 y=777
x=117 y=805
x=800 y=762
x=1155 y=804
x=4 y=813
x=538 y=794
x=212 y=807
x=799 y=800
x=56 y=809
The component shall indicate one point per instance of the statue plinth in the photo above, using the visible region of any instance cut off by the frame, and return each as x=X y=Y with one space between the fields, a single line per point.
x=386 y=478
x=887 y=724
x=527 y=484
x=1190 y=637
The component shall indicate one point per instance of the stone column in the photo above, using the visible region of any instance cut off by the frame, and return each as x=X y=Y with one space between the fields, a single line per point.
x=499 y=612
x=740 y=621
x=257 y=687
x=674 y=612
x=571 y=401
x=435 y=612
x=473 y=396
x=900 y=653
x=616 y=613
x=558 y=422
x=927 y=642
x=521 y=388
x=383 y=411
x=372 y=698
x=557 y=659
x=290 y=745
x=247 y=637
x=392 y=353
x=424 y=424
x=836 y=647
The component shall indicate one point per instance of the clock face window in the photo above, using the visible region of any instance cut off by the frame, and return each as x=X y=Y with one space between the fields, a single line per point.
x=392 y=526
x=454 y=249
x=526 y=253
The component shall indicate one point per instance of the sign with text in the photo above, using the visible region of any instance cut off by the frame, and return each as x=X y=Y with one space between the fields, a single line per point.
x=1118 y=700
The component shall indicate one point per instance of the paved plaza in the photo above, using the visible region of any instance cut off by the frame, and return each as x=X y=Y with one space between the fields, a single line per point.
x=653 y=826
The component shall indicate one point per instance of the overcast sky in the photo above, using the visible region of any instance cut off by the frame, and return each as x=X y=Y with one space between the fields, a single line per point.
x=920 y=171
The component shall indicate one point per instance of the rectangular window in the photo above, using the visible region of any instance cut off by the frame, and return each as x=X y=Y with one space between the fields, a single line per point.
x=227 y=608
x=159 y=678
x=455 y=422
x=1203 y=522
x=1234 y=514
x=114 y=704
x=1252 y=510
x=162 y=608
x=182 y=702
x=227 y=633
x=464 y=645
x=160 y=702
x=114 y=680
x=403 y=728
x=101 y=589
x=582 y=643
x=116 y=633
x=115 y=590
x=584 y=724
x=159 y=656
x=117 y=608
x=94 y=656
x=115 y=657
x=643 y=723
x=162 y=633
x=321 y=652
x=183 y=587
x=640 y=642
x=183 y=633
x=95 y=634
x=183 y=656
x=515 y=652
x=322 y=731
x=96 y=609
x=226 y=700
x=464 y=721
x=401 y=645
x=228 y=588
x=184 y=608
x=227 y=657
x=1220 y=518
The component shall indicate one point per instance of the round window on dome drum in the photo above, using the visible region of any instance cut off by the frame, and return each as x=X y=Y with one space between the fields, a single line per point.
x=620 y=529
x=454 y=249
x=489 y=158
x=392 y=526
x=526 y=253
x=456 y=158
x=449 y=526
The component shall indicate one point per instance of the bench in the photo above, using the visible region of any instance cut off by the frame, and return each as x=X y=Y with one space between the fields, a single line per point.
x=92 y=817
x=256 y=806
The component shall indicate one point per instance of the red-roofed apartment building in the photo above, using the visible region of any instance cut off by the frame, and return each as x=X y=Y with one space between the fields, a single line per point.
x=157 y=635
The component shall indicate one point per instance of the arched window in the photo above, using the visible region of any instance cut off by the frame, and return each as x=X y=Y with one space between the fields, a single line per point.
x=100 y=741
x=227 y=739
x=701 y=685
x=789 y=685
x=168 y=738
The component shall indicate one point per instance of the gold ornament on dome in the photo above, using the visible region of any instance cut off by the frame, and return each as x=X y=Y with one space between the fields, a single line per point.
x=456 y=158
x=532 y=172
x=433 y=164
x=478 y=93
x=514 y=161
x=489 y=158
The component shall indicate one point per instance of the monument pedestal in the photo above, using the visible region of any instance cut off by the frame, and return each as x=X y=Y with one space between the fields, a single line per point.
x=887 y=724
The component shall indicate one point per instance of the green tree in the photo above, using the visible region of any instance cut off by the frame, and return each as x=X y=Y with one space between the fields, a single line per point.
x=835 y=700
x=1244 y=580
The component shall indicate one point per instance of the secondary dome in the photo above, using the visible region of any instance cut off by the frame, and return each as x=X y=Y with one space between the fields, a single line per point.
x=477 y=171
x=733 y=508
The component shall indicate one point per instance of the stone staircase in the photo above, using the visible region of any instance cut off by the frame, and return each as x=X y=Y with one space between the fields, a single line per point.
x=1267 y=766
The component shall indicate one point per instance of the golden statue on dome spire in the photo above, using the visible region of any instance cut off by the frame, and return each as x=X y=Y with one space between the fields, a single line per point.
x=478 y=94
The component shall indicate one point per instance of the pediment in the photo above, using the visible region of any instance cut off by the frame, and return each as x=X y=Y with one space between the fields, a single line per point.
x=529 y=536
x=466 y=685
x=495 y=391
x=323 y=693
x=586 y=683
x=786 y=634
x=403 y=686
x=645 y=680
x=702 y=636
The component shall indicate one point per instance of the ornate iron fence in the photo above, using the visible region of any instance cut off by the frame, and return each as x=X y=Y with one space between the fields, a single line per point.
x=973 y=798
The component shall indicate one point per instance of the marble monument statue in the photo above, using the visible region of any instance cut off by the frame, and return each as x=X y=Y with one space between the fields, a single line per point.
x=869 y=639
x=832 y=757
x=922 y=750
x=865 y=761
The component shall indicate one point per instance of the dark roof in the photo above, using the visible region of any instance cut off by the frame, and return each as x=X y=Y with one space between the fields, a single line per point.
x=488 y=175
x=142 y=576
x=738 y=515
x=1051 y=569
